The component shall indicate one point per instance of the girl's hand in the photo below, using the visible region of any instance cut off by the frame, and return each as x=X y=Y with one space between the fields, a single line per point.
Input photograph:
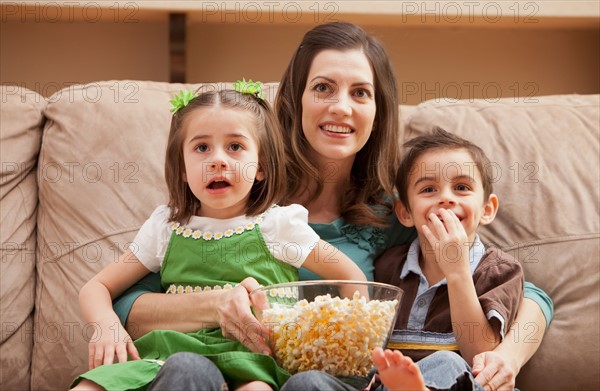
x=492 y=372
x=236 y=319
x=449 y=241
x=110 y=339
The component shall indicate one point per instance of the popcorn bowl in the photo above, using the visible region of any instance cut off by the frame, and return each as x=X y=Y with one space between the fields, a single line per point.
x=328 y=325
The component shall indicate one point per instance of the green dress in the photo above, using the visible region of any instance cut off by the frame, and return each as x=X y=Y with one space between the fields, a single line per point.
x=194 y=261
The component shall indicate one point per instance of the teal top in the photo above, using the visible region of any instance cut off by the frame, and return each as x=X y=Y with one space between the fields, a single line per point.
x=361 y=243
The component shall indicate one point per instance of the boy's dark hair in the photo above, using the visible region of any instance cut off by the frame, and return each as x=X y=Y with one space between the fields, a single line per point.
x=440 y=139
x=271 y=153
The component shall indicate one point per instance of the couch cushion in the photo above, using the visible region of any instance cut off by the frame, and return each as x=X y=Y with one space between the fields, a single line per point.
x=545 y=159
x=21 y=124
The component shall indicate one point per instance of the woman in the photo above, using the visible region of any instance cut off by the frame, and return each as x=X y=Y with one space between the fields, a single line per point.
x=337 y=102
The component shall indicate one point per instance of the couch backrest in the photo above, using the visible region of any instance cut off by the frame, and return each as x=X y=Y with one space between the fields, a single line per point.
x=21 y=125
x=545 y=158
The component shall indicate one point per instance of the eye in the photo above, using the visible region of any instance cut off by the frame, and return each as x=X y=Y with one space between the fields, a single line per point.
x=202 y=148
x=463 y=187
x=321 y=88
x=428 y=189
x=234 y=147
x=363 y=93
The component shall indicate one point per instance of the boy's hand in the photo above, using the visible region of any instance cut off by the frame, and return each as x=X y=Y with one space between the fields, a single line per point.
x=110 y=339
x=449 y=241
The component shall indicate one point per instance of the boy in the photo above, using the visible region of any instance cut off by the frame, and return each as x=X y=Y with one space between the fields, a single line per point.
x=458 y=296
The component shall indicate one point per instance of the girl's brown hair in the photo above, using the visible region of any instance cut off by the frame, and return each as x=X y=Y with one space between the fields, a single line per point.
x=271 y=154
x=373 y=172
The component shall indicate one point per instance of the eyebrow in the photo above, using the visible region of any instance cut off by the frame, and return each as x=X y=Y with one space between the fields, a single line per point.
x=454 y=179
x=360 y=83
x=230 y=135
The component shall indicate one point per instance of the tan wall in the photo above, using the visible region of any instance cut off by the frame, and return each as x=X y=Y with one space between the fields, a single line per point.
x=45 y=56
x=429 y=62
x=440 y=61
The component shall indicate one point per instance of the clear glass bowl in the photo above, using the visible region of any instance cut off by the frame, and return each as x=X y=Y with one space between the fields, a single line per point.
x=328 y=325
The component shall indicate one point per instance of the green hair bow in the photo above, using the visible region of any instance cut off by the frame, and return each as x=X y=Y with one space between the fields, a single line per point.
x=249 y=87
x=181 y=100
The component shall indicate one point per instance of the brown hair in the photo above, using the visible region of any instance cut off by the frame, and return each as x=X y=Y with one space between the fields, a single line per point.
x=374 y=168
x=271 y=154
x=440 y=139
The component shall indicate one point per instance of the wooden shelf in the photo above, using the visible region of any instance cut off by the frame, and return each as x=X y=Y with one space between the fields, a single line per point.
x=464 y=14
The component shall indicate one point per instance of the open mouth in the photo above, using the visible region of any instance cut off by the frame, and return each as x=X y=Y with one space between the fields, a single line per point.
x=217 y=184
x=337 y=129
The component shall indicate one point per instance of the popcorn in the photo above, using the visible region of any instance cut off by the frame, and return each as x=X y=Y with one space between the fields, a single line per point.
x=334 y=335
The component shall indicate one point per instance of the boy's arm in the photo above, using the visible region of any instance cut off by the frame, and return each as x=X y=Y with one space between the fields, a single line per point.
x=472 y=330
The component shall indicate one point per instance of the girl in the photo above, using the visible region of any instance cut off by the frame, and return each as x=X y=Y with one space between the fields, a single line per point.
x=225 y=170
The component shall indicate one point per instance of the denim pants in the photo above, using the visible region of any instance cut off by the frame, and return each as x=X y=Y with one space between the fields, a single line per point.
x=190 y=372
x=441 y=370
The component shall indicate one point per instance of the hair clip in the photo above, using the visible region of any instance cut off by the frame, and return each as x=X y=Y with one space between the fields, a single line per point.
x=249 y=87
x=181 y=100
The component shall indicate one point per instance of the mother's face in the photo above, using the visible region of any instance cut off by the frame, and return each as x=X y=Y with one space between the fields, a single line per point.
x=338 y=104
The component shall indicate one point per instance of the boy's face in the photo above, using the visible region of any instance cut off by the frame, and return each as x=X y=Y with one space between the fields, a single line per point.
x=447 y=179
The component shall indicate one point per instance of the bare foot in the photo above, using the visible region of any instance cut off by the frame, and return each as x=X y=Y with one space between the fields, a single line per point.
x=255 y=386
x=397 y=371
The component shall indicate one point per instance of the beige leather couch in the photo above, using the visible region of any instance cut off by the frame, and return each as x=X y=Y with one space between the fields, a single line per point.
x=83 y=169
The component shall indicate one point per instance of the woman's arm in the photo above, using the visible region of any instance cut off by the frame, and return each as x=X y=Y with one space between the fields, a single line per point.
x=498 y=369
x=228 y=309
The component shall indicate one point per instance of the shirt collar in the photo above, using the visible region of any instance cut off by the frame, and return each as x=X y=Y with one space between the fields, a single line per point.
x=412 y=259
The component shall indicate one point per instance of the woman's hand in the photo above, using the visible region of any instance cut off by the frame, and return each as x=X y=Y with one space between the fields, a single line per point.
x=110 y=339
x=237 y=321
x=493 y=371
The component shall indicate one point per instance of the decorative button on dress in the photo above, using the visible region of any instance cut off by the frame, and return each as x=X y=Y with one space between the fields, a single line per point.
x=270 y=248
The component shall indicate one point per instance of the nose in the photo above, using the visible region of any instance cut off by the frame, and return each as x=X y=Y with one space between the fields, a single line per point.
x=340 y=105
x=219 y=160
x=446 y=198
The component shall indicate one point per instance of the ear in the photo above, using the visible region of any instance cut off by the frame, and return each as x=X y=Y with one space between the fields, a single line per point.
x=260 y=174
x=403 y=214
x=490 y=208
x=184 y=176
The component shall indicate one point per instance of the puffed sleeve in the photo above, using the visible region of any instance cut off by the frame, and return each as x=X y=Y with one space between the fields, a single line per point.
x=151 y=241
x=288 y=235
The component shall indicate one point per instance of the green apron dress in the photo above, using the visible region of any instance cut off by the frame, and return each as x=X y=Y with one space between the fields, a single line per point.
x=197 y=261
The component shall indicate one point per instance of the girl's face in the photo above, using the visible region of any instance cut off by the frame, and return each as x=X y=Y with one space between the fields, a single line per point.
x=220 y=153
x=338 y=104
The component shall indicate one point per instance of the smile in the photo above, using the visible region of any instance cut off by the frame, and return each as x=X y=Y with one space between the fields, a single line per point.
x=337 y=129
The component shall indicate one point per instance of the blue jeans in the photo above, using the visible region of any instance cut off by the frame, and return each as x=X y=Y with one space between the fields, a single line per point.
x=441 y=370
x=190 y=372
